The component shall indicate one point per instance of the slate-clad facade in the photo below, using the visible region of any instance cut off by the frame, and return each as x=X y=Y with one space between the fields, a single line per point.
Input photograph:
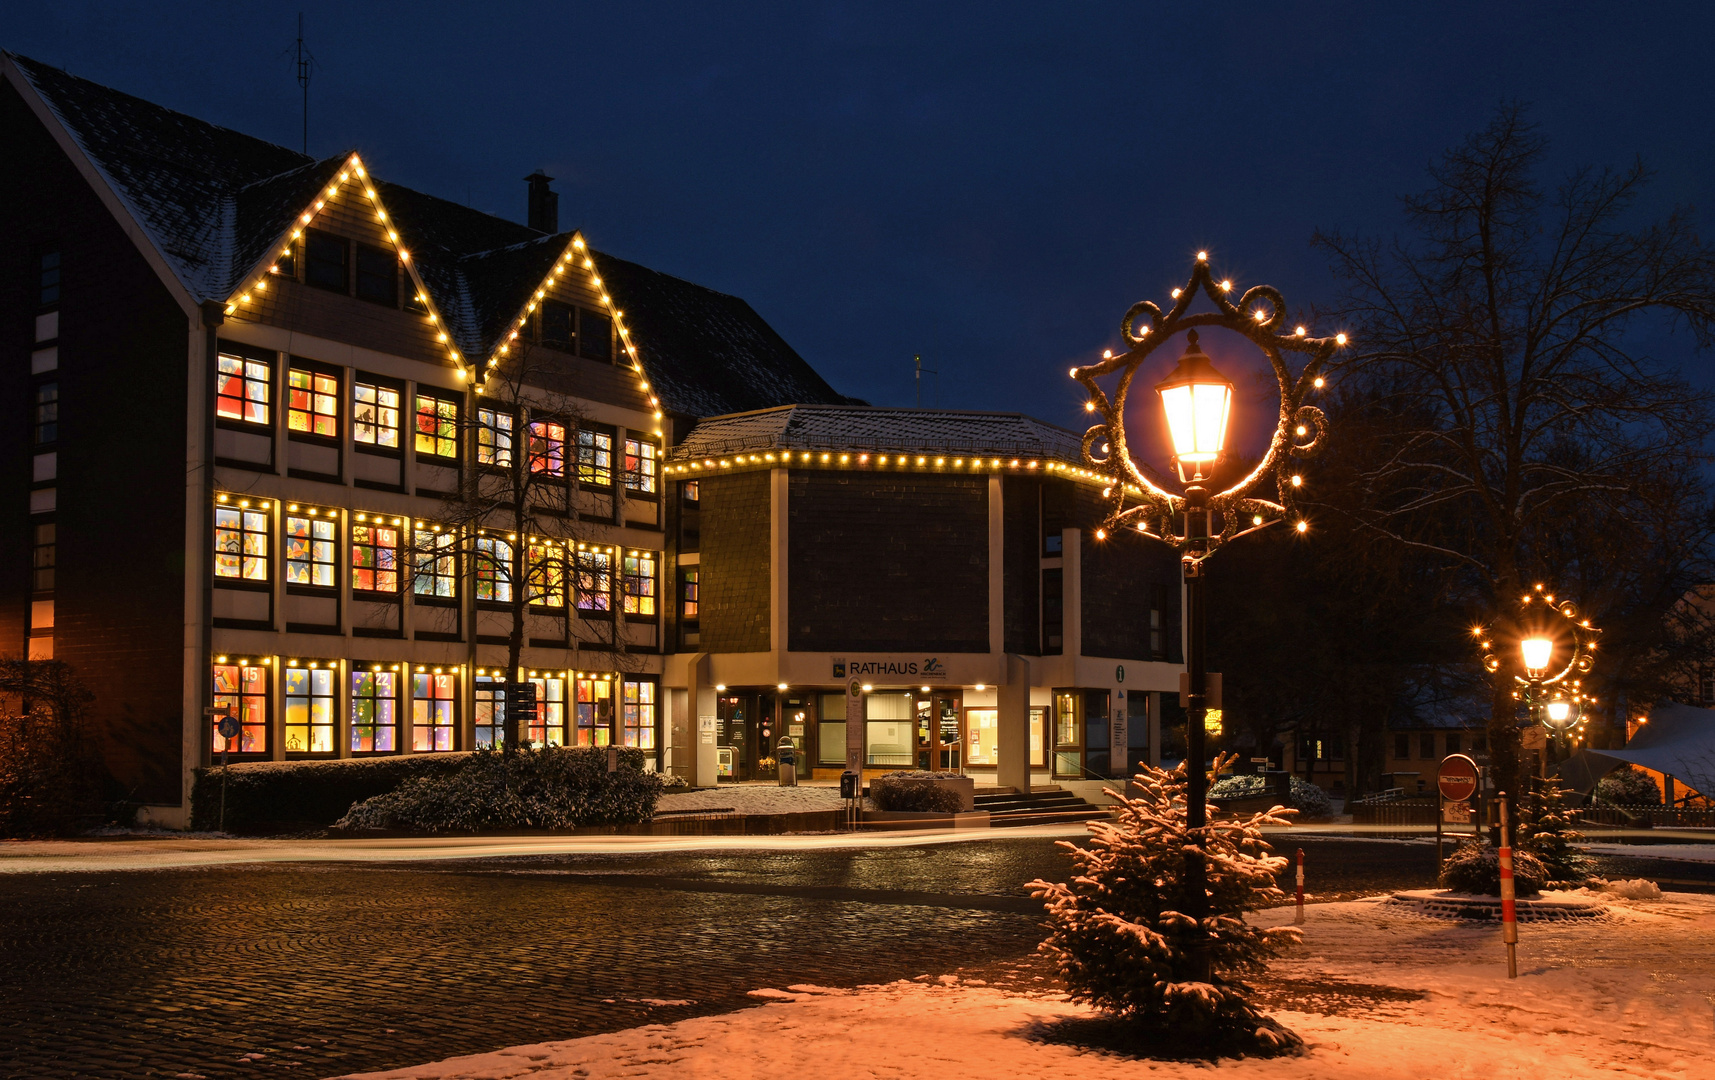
x=948 y=561
x=259 y=389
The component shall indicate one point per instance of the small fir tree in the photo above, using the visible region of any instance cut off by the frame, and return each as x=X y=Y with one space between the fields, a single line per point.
x=1546 y=830
x=1121 y=941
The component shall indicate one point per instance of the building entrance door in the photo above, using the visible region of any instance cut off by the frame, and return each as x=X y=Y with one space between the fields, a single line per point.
x=940 y=733
x=735 y=721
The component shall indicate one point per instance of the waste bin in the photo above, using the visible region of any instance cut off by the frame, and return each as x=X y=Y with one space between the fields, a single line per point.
x=787 y=755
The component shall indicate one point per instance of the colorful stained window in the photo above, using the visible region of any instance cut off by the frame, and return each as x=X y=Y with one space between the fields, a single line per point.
x=689 y=487
x=494 y=438
x=309 y=709
x=637 y=583
x=45 y=415
x=433 y=710
x=688 y=592
x=637 y=714
x=243 y=690
x=437 y=426
x=594 y=580
x=374 y=712
x=595 y=458
x=493 y=570
x=547 y=448
x=548 y=726
x=375 y=415
x=435 y=564
x=241 y=389
x=594 y=710
x=241 y=543
x=490 y=719
x=375 y=556
x=546 y=577
x=312 y=403
x=310 y=551
x=642 y=466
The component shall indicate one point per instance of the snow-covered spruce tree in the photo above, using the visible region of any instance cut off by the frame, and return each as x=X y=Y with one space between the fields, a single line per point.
x=1546 y=830
x=1121 y=941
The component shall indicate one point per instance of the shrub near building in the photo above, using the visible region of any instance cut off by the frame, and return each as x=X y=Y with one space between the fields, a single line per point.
x=535 y=788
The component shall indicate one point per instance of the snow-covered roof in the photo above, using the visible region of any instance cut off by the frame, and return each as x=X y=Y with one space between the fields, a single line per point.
x=1678 y=741
x=213 y=202
x=863 y=427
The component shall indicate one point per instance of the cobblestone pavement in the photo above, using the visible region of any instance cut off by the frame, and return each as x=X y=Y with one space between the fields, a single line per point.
x=316 y=970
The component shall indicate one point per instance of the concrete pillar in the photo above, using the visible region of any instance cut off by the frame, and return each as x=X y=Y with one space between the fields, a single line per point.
x=1154 y=723
x=1012 y=725
x=701 y=763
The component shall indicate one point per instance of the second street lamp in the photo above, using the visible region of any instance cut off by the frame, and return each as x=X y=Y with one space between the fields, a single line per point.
x=1197 y=401
x=1554 y=644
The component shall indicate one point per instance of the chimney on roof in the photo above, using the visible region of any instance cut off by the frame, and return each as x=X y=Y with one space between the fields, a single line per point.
x=544 y=203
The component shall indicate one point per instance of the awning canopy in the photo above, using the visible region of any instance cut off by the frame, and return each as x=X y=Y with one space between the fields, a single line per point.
x=1678 y=740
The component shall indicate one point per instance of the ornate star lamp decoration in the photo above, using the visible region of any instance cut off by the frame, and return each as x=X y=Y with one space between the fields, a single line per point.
x=1198 y=400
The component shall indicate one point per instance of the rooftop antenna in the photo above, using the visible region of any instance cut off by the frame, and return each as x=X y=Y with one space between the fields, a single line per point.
x=305 y=63
x=918 y=360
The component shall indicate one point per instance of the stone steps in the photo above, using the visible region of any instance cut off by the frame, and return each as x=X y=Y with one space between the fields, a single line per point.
x=1048 y=806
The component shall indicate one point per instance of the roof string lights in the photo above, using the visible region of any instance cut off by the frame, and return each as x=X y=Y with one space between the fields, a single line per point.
x=575 y=256
x=352 y=173
x=946 y=461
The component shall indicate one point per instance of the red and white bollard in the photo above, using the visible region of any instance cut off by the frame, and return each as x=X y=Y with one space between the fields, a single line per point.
x=1509 y=910
x=1299 y=920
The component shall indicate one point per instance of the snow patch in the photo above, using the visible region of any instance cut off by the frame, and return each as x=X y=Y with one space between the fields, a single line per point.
x=1628 y=998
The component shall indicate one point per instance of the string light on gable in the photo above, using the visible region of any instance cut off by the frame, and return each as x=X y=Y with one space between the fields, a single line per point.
x=353 y=173
x=575 y=256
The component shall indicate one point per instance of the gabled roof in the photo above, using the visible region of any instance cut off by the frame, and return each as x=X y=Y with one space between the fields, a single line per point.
x=862 y=427
x=215 y=204
x=742 y=363
x=175 y=173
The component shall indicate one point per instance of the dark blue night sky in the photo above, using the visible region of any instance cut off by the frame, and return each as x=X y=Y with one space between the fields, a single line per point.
x=988 y=185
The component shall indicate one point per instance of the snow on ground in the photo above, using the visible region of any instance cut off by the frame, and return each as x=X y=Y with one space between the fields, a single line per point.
x=1686 y=852
x=1630 y=995
x=175 y=850
x=756 y=799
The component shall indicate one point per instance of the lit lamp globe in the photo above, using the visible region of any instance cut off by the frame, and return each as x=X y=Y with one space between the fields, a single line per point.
x=1538 y=651
x=1557 y=714
x=1198 y=401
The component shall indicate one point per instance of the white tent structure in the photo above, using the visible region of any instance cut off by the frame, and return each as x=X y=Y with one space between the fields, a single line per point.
x=1678 y=741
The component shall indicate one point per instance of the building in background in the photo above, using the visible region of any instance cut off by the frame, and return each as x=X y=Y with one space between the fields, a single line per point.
x=249 y=388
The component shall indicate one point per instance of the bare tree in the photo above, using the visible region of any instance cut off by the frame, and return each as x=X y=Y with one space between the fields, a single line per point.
x=1504 y=340
x=517 y=522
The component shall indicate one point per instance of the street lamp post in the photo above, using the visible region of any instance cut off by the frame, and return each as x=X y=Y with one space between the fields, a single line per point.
x=1554 y=645
x=1197 y=401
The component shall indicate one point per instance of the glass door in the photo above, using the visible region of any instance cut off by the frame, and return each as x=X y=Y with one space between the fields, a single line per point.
x=939 y=731
x=735 y=716
x=924 y=711
x=949 y=735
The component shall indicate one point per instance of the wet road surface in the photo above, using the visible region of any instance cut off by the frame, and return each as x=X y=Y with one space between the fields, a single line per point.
x=314 y=970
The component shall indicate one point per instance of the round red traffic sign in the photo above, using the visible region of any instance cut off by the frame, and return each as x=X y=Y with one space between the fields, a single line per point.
x=1457 y=778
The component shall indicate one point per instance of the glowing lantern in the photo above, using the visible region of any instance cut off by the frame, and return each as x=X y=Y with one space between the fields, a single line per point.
x=1198 y=401
x=1538 y=651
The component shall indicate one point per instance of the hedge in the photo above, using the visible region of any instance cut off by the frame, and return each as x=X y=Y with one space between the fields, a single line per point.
x=298 y=796
x=535 y=788
x=906 y=791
